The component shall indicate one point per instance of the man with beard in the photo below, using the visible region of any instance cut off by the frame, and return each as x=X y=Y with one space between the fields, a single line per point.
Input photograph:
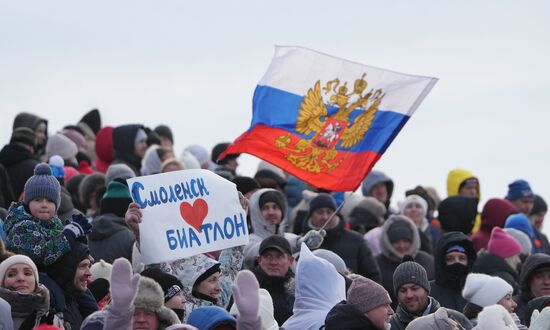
x=412 y=290
x=454 y=258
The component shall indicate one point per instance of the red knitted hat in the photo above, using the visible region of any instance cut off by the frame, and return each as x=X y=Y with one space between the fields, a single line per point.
x=502 y=244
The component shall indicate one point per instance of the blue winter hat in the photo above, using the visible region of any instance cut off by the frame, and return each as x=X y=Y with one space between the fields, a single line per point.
x=42 y=184
x=208 y=317
x=520 y=222
x=519 y=189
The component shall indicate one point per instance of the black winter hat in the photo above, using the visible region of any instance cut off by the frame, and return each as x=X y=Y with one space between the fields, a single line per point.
x=165 y=131
x=272 y=196
x=218 y=150
x=169 y=283
x=267 y=174
x=458 y=213
x=410 y=272
x=245 y=184
x=320 y=201
x=93 y=120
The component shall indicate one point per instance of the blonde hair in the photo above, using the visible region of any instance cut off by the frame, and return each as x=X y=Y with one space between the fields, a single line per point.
x=171 y=161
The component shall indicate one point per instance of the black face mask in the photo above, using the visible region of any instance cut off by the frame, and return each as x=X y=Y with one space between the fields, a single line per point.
x=180 y=313
x=456 y=275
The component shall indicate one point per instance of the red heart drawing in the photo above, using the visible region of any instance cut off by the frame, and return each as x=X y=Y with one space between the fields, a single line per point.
x=194 y=215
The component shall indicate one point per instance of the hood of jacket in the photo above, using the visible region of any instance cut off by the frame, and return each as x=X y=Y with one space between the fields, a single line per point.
x=105 y=226
x=260 y=227
x=443 y=274
x=374 y=178
x=456 y=177
x=14 y=153
x=488 y=263
x=346 y=317
x=25 y=119
x=532 y=263
x=124 y=144
x=494 y=213
x=385 y=246
x=318 y=288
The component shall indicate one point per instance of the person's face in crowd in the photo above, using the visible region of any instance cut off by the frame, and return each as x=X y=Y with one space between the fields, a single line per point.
x=402 y=246
x=380 y=316
x=540 y=283
x=272 y=213
x=456 y=257
x=415 y=212
x=469 y=189
x=232 y=164
x=275 y=263
x=380 y=192
x=145 y=319
x=320 y=216
x=20 y=278
x=210 y=286
x=140 y=148
x=165 y=142
x=412 y=298
x=83 y=274
x=176 y=302
x=508 y=303
x=537 y=219
x=40 y=134
x=524 y=205
x=42 y=208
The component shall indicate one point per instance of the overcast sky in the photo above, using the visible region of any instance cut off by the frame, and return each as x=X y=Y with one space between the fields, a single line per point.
x=194 y=66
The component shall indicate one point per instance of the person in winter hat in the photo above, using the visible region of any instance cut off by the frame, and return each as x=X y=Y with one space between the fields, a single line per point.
x=104 y=149
x=33 y=228
x=166 y=137
x=118 y=171
x=61 y=145
x=212 y=318
x=29 y=300
x=378 y=185
x=366 y=215
x=89 y=191
x=367 y=307
x=521 y=195
x=412 y=290
x=399 y=238
x=534 y=281
x=172 y=287
x=246 y=185
x=454 y=258
x=129 y=143
x=521 y=222
x=494 y=214
x=540 y=241
x=416 y=208
x=523 y=239
x=501 y=258
x=153 y=159
x=458 y=213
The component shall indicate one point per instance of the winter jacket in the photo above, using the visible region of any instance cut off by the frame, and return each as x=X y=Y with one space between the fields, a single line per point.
x=27 y=310
x=491 y=264
x=346 y=317
x=374 y=178
x=6 y=191
x=494 y=214
x=532 y=263
x=402 y=318
x=389 y=259
x=353 y=249
x=41 y=240
x=281 y=290
x=448 y=283
x=124 y=144
x=188 y=270
x=19 y=164
x=110 y=238
x=540 y=242
x=262 y=230
x=5 y=315
x=318 y=288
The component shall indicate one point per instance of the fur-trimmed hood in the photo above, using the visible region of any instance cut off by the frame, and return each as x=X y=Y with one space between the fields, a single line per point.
x=385 y=246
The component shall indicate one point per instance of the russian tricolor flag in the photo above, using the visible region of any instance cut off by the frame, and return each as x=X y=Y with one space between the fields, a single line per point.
x=326 y=120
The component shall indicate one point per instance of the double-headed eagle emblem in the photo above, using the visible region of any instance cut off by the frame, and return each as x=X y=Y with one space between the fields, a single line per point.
x=318 y=153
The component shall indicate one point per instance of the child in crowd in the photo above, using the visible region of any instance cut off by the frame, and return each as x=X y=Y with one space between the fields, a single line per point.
x=32 y=226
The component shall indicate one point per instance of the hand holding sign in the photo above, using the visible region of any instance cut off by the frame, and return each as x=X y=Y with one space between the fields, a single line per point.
x=180 y=214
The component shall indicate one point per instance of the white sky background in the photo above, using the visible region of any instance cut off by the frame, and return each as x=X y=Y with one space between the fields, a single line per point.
x=194 y=66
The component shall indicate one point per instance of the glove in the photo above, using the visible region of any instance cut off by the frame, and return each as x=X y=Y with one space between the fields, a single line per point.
x=247 y=295
x=124 y=285
x=540 y=321
x=313 y=238
x=78 y=227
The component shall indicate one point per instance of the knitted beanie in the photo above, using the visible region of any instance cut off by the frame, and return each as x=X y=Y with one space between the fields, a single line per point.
x=117 y=171
x=169 y=283
x=522 y=238
x=400 y=230
x=365 y=295
x=520 y=222
x=17 y=259
x=42 y=184
x=272 y=196
x=519 y=189
x=61 y=145
x=23 y=135
x=495 y=212
x=75 y=136
x=101 y=269
x=322 y=200
x=245 y=184
x=539 y=205
x=410 y=272
x=502 y=244
x=484 y=290
x=414 y=199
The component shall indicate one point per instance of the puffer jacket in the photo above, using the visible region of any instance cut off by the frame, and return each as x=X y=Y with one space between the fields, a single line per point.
x=110 y=238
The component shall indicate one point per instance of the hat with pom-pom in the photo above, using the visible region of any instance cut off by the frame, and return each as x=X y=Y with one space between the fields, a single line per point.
x=42 y=185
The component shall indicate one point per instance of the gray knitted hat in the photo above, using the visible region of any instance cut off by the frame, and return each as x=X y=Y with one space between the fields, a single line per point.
x=118 y=171
x=42 y=184
x=366 y=295
x=410 y=272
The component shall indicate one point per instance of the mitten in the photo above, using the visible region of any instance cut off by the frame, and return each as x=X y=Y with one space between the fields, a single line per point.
x=124 y=285
x=78 y=227
x=247 y=295
x=540 y=320
x=313 y=238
